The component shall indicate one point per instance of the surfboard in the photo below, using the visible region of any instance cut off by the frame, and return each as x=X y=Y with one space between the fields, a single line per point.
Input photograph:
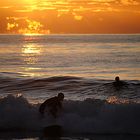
x=53 y=131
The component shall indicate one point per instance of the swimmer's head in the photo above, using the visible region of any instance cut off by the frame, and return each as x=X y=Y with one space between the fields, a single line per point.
x=117 y=79
x=60 y=96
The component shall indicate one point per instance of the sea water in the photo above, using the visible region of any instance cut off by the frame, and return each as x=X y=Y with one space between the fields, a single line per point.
x=34 y=68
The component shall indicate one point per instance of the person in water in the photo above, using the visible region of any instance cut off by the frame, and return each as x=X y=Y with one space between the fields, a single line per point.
x=117 y=83
x=53 y=104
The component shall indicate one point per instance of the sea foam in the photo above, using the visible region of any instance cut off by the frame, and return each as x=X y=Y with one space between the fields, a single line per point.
x=88 y=116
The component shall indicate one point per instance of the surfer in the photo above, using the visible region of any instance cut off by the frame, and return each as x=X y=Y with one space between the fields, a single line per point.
x=117 y=83
x=53 y=104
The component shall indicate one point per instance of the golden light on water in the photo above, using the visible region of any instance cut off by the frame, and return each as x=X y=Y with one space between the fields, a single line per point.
x=116 y=100
x=30 y=50
x=31 y=53
x=31 y=56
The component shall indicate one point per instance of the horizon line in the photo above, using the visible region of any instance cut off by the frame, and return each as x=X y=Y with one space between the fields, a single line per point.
x=71 y=34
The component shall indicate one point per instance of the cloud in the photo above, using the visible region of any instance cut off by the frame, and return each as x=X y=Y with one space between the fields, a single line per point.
x=129 y=2
x=33 y=27
x=23 y=25
x=11 y=25
x=45 y=16
x=77 y=17
x=29 y=6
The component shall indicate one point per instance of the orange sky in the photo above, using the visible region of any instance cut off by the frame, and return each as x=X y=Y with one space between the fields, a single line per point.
x=69 y=16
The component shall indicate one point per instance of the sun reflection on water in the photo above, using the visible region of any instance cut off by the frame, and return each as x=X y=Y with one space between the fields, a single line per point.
x=116 y=100
x=31 y=49
x=31 y=53
x=31 y=56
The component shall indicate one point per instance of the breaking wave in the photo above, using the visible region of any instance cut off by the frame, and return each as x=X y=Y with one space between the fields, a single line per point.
x=88 y=116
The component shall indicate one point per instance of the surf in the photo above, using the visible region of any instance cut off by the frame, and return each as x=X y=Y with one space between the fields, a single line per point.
x=90 y=116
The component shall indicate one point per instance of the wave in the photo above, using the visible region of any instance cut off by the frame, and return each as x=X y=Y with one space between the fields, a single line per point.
x=88 y=116
x=74 y=87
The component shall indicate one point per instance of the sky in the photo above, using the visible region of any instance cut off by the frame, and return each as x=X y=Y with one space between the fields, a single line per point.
x=69 y=16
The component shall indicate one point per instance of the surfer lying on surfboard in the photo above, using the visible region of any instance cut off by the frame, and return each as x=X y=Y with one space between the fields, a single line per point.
x=53 y=104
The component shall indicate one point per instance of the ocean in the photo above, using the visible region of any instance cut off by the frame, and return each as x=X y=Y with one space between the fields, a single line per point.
x=34 y=68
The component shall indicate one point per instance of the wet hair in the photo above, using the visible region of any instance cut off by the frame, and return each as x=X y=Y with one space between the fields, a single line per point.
x=61 y=96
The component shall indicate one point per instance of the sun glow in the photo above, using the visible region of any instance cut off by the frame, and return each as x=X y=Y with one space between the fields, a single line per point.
x=30 y=53
x=116 y=100
x=31 y=56
x=31 y=49
x=69 y=16
x=30 y=1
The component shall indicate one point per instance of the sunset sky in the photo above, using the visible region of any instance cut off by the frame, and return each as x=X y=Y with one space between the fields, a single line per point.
x=69 y=16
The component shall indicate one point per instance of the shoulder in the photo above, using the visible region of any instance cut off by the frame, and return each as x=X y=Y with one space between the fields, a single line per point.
x=51 y=99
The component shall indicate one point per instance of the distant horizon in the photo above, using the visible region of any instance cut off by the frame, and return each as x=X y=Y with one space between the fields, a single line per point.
x=72 y=34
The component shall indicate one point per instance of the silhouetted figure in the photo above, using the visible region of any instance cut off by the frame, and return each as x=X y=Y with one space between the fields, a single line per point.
x=117 y=83
x=53 y=104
